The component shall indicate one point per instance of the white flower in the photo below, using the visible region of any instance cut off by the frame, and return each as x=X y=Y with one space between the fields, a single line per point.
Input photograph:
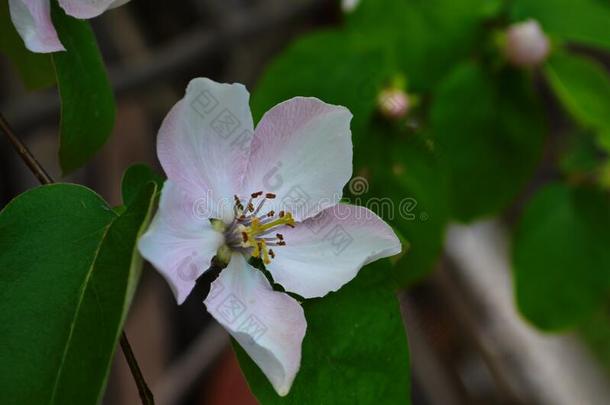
x=32 y=19
x=272 y=193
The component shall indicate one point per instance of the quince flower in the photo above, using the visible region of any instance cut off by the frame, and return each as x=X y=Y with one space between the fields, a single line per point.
x=32 y=19
x=234 y=193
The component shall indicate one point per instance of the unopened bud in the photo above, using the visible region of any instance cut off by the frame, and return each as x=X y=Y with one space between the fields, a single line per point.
x=349 y=6
x=526 y=44
x=393 y=103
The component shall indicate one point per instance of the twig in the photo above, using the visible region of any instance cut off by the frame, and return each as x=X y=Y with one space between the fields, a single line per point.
x=29 y=159
x=44 y=178
x=145 y=393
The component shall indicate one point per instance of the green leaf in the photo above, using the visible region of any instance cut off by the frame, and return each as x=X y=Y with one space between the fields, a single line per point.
x=490 y=130
x=581 y=157
x=329 y=66
x=35 y=69
x=425 y=37
x=408 y=189
x=87 y=102
x=137 y=177
x=584 y=21
x=422 y=211
x=355 y=349
x=561 y=258
x=583 y=86
x=68 y=272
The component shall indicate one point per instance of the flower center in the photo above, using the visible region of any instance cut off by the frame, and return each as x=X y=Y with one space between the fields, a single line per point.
x=254 y=232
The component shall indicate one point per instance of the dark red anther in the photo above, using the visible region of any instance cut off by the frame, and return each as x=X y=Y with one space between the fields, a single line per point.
x=282 y=213
x=270 y=195
x=271 y=213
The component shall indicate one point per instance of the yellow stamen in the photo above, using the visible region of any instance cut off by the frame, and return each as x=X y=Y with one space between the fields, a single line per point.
x=259 y=247
x=285 y=220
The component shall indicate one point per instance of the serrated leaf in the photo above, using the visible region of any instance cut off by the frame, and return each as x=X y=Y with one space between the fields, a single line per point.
x=355 y=349
x=68 y=270
x=490 y=130
x=87 y=101
x=561 y=258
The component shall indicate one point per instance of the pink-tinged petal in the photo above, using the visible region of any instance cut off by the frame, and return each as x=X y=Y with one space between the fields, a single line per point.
x=325 y=252
x=269 y=325
x=32 y=19
x=302 y=152
x=179 y=242
x=204 y=142
x=85 y=9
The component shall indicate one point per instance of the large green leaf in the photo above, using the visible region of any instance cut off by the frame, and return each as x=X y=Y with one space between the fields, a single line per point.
x=583 y=86
x=490 y=130
x=426 y=37
x=35 y=69
x=68 y=269
x=561 y=257
x=87 y=102
x=355 y=350
x=584 y=21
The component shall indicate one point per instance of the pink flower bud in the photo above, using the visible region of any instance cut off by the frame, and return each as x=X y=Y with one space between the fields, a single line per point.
x=393 y=103
x=526 y=44
x=349 y=6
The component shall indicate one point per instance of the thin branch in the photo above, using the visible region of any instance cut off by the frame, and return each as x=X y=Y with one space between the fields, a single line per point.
x=29 y=159
x=145 y=394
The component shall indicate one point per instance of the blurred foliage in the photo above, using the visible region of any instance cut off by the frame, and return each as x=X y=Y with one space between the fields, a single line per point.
x=424 y=38
x=583 y=86
x=562 y=255
x=490 y=130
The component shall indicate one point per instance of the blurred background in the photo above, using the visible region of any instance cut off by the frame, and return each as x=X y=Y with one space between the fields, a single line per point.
x=469 y=343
